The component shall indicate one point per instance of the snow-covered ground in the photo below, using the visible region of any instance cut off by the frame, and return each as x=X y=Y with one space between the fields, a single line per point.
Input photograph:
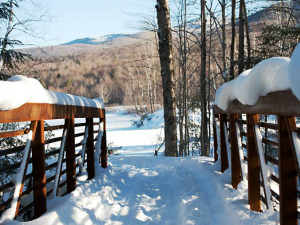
x=138 y=188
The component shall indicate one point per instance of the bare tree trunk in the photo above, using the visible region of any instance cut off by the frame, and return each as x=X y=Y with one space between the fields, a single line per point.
x=204 y=138
x=185 y=82
x=248 y=65
x=232 y=49
x=167 y=72
x=223 y=42
x=241 y=38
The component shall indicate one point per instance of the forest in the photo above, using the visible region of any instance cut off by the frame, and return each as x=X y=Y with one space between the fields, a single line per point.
x=212 y=44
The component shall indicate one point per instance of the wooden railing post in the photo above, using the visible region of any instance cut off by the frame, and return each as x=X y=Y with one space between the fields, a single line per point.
x=90 y=149
x=224 y=155
x=70 y=157
x=235 y=159
x=287 y=175
x=253 y=168
x=38 y=171
x=215 y=139
x=104 y=146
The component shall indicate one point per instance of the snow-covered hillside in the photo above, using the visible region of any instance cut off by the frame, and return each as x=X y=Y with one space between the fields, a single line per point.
x=138 y=188
x=97 y=40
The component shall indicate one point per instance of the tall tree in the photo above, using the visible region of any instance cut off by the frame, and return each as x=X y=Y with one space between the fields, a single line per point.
x=204 y=120
x=232 y=47
x=167 y=73
x=241 y=62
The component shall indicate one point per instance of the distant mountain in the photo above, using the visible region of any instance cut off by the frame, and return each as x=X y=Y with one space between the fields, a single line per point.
x=99 y=40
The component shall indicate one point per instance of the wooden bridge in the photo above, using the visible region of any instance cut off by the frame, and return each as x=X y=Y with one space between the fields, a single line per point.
x=63 y=181
x=242 y=126
x=242 y=130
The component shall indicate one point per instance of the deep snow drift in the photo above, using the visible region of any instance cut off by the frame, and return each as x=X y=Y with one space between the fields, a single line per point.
x=138 y=188
x=19 y=90
x=274 y=74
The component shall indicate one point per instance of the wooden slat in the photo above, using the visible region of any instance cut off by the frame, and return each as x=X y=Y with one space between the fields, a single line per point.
x=51 y=153
x=271 y=159
x=253 y=168
x=243 y=134
x=11 y=150
x=262 y=161
x=287 y=176
x=33 y=128
x=79 y=134
x=270 y=143
x=292 y=127
x=224 y=155
x=79 y=124
x=13 y=133
x=235 y=158
x=215 y=139
x=90 y=149
x=70 y=156
x=243 y=122
x=269 y=125
x=52 y=140
x=103 y=154
x=51 y=128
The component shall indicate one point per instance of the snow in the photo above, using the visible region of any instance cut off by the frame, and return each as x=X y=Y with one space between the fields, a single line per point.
x=241 y=152
x=59 y=163
x=9 y=214
x=270 y=75
x=227 y=145
x=263 y=165
x=138 y=188
x=297 y=145
x=19 y=90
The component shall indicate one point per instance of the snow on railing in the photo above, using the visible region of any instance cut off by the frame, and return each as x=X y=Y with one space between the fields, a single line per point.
x=271 y=149
x=24 y=99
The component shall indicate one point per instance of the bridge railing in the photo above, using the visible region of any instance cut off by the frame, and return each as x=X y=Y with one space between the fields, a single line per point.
x=264 y=149
x=41 y=170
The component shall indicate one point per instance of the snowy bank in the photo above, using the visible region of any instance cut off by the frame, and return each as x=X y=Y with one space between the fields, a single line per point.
x=270 y=75
x=19 y=90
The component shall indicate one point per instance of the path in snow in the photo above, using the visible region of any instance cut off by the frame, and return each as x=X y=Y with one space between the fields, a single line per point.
x=138 y=188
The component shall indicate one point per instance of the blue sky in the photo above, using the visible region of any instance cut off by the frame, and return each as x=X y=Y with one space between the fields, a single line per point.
x=73 y=19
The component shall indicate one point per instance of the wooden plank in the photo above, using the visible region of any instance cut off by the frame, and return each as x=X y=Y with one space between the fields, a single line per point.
x=50 y=128
x=270 y=142
x=33 y=128
x=253 y=168
x=38 y=171
x=90 y=149
x=292 y=127
x=215 y=139
x=272 y=126
x=235 y=159
x=70 y=157
x=13 y=133
x=271 y=159
x=41 y=111
x=276 y=103
x=262 y=160
x=103 y=154
x=287 y=176
x=224 y=155
x=11 y=150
